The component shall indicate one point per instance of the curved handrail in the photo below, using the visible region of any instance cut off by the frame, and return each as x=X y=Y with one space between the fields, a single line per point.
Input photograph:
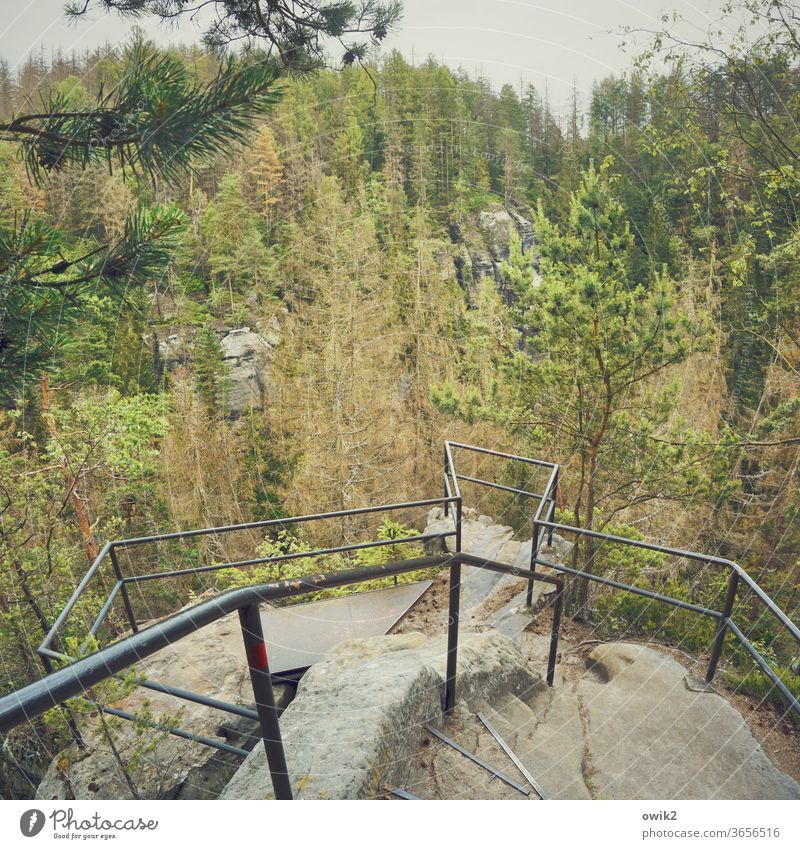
x=40 y=696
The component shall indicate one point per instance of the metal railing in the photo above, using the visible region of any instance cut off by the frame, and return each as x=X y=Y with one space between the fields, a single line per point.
x=724 y=620
x=73 y=680
x=546 y=503
x=120 y=589
x=82 y=673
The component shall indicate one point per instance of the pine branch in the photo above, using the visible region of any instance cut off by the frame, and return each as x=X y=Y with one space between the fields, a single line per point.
x=156 y=121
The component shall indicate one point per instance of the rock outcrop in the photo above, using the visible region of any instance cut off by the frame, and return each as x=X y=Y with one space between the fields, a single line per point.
x=247 y=354
x=628 y=724
x=483 y=244
x=652 y=735
x=359 y=714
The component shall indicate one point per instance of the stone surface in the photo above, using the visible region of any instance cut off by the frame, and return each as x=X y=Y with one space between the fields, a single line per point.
x=482 y=245
x=650 y=737
x=624 y=727
x=494 y=225
x=358 y=714
x=247 y=354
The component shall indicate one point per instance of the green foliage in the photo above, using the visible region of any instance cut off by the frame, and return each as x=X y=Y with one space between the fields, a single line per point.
x=620 y=613
x=236 y=255
x=758 y=685
x=108 y=445
x=44 y=280
x=295 y=32
x=210 y=373
x=286 y=543
x=155 y=120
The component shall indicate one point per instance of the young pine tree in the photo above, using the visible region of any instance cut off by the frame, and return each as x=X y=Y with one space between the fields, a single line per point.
x=596 y=340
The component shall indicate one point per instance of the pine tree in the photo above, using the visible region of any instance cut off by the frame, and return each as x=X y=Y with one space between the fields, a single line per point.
x=157 y=122
x=597 y=338
x=209 y=371
x=293 y=32
x=266 y=172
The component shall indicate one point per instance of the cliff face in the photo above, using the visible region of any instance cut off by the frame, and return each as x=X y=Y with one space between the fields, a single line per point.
x=482 y=244
x=247 y=354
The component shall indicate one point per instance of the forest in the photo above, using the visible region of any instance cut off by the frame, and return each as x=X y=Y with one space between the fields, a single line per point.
x=291 y=314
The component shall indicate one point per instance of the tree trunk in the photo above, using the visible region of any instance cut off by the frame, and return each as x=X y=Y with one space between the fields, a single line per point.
x=72 y=481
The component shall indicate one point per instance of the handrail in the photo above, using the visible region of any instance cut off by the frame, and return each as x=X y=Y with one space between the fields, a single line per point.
x=45 y=650
x=542 y=523
x=689 y=555
x=87 y=671
x=72 y=680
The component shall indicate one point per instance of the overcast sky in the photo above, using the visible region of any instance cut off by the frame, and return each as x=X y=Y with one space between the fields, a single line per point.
x=507 y=40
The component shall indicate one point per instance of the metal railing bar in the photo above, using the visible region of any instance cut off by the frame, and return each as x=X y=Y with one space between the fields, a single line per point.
x=505 y=456
x=537 y=531
x=790 y=697
x=60 y=619
x=451 y=467
x=505 y=568
x=176 y=732
x=280 y=558
x=103 y=611
x=125 y=597
x=70 y=681
x=531 y=575
x=675 y=602
x=689 y=555
x=499 y=486
x=266 y=523
x=547 y=495
x=236 y=710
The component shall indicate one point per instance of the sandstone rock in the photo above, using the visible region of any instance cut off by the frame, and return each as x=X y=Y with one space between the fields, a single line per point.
x=495 y=225
x=246 y=353
x=358 y=714
x=524 y=228
x=482 y=266
x=650 y=737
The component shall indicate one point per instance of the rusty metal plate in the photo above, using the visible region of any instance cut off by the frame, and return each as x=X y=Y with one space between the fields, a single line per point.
x=299 y=635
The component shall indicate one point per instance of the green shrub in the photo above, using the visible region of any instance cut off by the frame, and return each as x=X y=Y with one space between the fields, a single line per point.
x=286 y=543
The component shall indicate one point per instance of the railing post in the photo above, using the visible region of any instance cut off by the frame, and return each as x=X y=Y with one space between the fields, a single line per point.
x=452 y=621
x=71 y=721
x=558 y=606
x=722 y=626
x=552 y=515
x=124 y=591
x=446 y=502
x=256 y=650
x=534 y=555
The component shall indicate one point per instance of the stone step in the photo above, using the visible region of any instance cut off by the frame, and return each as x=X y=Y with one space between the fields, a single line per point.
x=359 y=714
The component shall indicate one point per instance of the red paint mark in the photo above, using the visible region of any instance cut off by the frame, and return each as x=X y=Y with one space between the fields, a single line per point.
x=257 y=655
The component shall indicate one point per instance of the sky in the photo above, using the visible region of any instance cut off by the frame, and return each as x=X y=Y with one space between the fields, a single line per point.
x=556 y=42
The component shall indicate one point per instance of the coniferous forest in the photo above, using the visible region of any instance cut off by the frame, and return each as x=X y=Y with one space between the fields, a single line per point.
x=239 y=282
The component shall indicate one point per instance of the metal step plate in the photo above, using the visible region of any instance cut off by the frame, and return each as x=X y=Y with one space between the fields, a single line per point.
x=299 y=635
